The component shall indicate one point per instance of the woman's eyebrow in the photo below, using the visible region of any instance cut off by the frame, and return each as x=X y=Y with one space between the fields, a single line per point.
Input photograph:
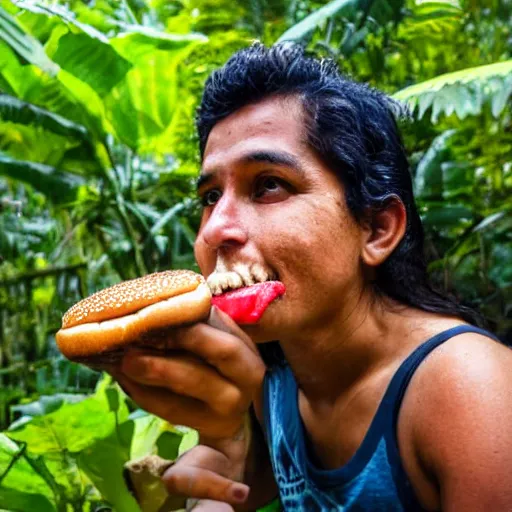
x=273 y=157
x=262 y=156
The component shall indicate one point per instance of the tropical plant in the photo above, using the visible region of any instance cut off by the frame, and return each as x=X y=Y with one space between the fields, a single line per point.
x=97 y=168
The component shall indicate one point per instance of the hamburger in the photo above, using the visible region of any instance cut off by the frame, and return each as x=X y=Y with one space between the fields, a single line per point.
x=96 y=330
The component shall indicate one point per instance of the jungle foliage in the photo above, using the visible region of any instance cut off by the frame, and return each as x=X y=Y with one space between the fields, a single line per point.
x=98 y=159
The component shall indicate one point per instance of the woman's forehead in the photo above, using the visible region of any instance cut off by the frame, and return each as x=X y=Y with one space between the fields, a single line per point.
x=277 y=119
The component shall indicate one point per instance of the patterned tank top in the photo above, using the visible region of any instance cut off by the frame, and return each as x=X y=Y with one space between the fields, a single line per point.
x=373 y=479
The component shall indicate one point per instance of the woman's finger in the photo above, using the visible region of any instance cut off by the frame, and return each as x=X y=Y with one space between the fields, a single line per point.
x=180 y=410
x=227 y=353
x=223 y=322
x=188 y=376
x=227 y=459
x=203 y=483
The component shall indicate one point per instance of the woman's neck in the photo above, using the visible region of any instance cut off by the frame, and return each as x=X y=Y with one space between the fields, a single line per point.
x=329 y=360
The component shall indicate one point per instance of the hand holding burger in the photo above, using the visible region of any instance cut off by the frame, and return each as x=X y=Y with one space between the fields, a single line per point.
x=182 y=360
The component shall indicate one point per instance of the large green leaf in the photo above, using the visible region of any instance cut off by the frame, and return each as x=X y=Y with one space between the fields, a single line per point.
x=63 y=95
x=17 y=472
x=92 y=61
x=24 y=45
x=73 y=426
x=67 y=145
x=103 y=462
x=56 y=428
x=58 y=185
x=448 y=218
x=22 y=487
x=64 y=14
x=17 y=111
x=12 y=500
x=138 y=122
x=464 y=92
x=137 y=41
x=138 y=437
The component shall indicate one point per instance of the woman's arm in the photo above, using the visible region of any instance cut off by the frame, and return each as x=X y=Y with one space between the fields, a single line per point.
x=463 y=424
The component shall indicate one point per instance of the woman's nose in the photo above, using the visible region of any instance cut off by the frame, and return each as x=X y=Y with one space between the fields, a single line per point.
x=226 y=225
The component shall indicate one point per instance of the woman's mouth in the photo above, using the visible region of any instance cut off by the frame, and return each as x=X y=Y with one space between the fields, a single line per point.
x=247 y=305
x=245 y=291
x=238 y=276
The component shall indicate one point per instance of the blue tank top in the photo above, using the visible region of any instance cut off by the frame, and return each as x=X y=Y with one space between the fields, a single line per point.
x=373 y=479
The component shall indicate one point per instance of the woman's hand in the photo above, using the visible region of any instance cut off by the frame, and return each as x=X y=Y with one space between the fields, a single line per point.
x=212 y=473
x=207 y=380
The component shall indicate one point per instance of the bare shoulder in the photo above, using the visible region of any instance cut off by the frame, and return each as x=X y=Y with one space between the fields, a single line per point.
x=459 y=406
x=468 y=366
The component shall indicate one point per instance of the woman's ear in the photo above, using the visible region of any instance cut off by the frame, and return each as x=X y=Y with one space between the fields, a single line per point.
x=384 y=230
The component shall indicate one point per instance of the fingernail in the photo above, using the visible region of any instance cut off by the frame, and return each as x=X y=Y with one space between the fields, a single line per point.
x=240 y=494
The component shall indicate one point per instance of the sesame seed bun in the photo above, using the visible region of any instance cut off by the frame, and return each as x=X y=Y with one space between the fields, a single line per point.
x=99 y=327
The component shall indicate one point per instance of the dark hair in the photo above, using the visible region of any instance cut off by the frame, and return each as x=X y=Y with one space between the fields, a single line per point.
x=354 y=130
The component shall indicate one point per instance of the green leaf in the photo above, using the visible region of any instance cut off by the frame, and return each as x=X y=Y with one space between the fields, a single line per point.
x=433 y=10
x=66 y=15
x=190 y=439
x=428 y=181
x=20 y=483
x=381 y=11
x=12 y=500
x=447 y=216
x=500 y=269
x=489 y=221
x=25 y=45
x=57 y=185
x=17 y=111
x=138 y=122
x=139 y=41
x=468 y=89
x=302 y=29
x=458 y=179
x=67 y=144
x=103 y=462
x=94 y=62
x=72 y=427
x=86 y=102
x=63 y=95
x=167 y=217
x=146 y=430
x=45 y=405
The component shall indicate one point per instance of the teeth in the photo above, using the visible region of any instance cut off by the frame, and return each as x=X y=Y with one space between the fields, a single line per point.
x=220 y=281
x=259 y=273
x=245 y=274
x=241 y=275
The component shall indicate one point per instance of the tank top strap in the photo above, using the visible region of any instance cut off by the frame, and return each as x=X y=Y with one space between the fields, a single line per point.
x=393 y=400
x=398 y=385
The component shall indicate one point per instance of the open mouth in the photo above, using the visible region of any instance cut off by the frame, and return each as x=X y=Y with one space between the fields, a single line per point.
x=245 y=297
x=241 y=276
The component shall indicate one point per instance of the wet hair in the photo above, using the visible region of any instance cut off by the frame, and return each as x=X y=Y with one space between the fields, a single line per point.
x=354 y=129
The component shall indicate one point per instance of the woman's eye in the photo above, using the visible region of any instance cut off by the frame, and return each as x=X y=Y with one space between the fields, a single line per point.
x=269 y=185
x=210 y=197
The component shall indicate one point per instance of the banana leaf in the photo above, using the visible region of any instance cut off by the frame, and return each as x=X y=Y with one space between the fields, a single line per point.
x=463 y=92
